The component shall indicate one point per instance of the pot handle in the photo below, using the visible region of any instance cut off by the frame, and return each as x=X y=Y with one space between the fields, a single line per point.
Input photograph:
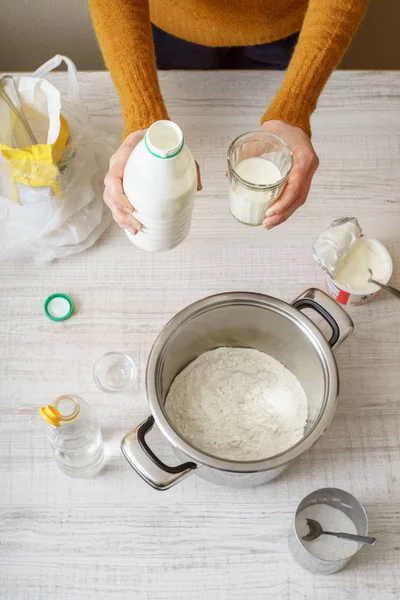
x=338 y=319
x=146 y=464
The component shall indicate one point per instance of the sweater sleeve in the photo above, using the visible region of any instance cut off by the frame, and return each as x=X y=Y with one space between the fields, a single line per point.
x=124 y=33
x=328 y=28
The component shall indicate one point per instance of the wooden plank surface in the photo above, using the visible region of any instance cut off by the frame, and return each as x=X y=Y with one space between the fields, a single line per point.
x=115 y=538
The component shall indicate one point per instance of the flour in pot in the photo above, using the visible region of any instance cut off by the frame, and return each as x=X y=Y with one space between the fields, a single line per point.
x=238 y=404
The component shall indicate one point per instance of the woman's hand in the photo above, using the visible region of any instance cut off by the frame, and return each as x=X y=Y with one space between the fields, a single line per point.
x=114 y=197
x=122 y=210
x=304 y=166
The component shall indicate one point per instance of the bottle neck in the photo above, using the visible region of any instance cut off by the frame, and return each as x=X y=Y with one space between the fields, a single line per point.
x=63 y=410
x=67 y=406
x=164 y=139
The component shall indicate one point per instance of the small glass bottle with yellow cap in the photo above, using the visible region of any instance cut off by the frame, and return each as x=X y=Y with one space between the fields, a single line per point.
x=74 y=434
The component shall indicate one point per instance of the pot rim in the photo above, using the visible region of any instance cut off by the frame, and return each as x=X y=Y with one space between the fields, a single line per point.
x=269 y=303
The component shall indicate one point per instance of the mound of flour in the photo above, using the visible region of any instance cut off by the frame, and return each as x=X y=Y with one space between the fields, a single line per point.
x=238 y=404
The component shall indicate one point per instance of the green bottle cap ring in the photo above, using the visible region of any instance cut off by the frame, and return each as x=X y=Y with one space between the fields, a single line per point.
x=58 y=307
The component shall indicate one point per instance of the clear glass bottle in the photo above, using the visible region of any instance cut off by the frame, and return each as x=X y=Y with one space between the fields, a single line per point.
x=74 y=433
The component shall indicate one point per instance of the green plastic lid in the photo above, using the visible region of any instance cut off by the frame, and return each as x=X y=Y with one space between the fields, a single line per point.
x=58 y=307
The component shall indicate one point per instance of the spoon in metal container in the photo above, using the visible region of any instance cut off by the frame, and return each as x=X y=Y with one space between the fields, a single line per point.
x=387 y=288
x=315 y=530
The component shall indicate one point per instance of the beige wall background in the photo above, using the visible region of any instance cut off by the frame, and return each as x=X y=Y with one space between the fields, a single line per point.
x=34 y=30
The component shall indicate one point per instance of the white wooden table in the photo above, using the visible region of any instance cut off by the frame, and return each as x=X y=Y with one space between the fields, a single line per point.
x=113 y=537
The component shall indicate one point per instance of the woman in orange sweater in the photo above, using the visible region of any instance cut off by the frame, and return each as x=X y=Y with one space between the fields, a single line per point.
x=224 y=34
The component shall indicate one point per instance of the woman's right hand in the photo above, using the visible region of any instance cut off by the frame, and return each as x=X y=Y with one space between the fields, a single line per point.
x=122 y=210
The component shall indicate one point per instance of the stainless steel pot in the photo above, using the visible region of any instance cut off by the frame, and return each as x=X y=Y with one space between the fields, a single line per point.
x=243 y=320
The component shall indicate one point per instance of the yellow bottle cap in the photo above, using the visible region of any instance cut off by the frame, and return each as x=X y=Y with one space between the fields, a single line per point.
x=51 y=414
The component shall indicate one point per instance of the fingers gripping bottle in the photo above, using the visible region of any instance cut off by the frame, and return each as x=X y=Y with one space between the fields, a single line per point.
x=160 y=181
x=74 y=433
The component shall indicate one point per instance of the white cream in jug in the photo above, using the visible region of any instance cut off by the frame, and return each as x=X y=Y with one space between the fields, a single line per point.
x=249 y=206
x=353 y=271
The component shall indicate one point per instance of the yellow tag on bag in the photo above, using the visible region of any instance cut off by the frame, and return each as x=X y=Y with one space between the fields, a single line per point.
x=37 y=166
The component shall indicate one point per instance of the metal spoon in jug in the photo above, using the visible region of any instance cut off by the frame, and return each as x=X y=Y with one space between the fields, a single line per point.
x=387 y=288
x=315 y=530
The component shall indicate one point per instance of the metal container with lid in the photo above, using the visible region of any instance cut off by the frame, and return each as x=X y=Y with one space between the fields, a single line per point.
x=246 y=320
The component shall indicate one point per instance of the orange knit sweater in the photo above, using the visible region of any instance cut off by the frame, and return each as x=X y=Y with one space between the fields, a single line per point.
x=124 y=32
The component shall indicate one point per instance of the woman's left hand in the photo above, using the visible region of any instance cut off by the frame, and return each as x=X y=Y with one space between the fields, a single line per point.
x=304 y=166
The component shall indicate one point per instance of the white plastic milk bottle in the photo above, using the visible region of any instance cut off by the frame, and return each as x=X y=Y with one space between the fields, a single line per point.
x=160 y=181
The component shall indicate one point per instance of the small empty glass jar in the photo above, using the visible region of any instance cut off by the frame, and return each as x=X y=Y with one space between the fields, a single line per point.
x=114 y=372
x=259 y=164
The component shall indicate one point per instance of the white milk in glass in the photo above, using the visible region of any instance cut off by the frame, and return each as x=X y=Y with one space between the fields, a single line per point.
x=247 y=205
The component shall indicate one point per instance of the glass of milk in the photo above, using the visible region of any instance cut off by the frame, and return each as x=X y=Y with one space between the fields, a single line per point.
x=259 y=164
